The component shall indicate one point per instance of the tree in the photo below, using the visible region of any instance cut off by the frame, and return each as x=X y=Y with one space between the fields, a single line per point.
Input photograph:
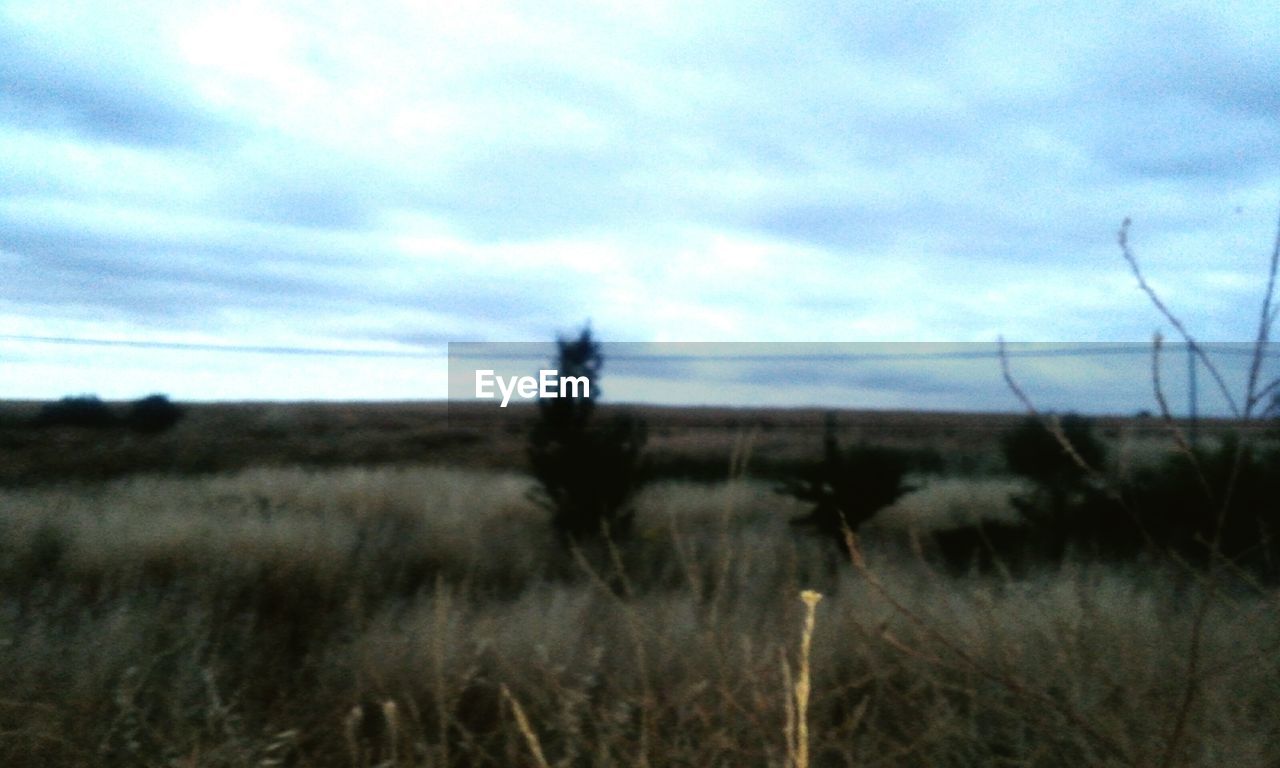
x=1031 y=451
x=588 y=472
x=1066 y=506
x=87 y=411
x=848 y=486
x=152 y=414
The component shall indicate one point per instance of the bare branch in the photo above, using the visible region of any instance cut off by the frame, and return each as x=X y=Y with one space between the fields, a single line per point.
x=1196 y=349
x=1052 y=423
x=1008 y=379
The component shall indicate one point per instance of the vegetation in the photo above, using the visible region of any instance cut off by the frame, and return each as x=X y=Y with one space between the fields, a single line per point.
x=87 y=411
x=1032 y=451
x=149 y=415
x=848 y=486
x=588 y=471
x=308 y=617
x=1212 y=525
x=414 y=615
x=153 y=414
x=1215 y=502
x=1066 y=509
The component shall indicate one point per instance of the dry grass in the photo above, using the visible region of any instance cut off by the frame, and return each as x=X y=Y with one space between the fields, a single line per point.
x=694 y=442
x=238 y=620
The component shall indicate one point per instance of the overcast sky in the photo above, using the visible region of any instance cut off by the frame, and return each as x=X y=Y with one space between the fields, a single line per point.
x=384 y=176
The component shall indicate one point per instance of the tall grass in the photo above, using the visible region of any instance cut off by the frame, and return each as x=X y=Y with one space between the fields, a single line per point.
x=241 y=620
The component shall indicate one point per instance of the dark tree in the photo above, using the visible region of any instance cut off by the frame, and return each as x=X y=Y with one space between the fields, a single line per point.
x=1066 y=508
x=588 y=471
x=1230 y=492
x=86 y=411
x=1032 y=451
x=152 y=414
x=848 y=486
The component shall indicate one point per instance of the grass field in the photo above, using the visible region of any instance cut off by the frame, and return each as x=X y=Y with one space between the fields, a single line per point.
x=352 y=584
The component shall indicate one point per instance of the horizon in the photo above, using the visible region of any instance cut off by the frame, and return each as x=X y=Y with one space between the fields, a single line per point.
x=1094 y=379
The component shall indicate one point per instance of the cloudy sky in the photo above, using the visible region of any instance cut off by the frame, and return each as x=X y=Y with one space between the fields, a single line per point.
x=390 y=177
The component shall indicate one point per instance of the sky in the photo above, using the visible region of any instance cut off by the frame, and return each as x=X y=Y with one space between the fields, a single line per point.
x=390 y=177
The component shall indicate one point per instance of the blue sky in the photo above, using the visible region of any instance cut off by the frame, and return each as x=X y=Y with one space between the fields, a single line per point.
x=385 y=176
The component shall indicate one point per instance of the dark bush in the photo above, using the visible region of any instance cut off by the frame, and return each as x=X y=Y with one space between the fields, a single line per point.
x=848 y=486
x=152 y=414
x=1067 y=509
x=86 y=411
x=1032 y=451
x=1231 y=492
x=588 y=471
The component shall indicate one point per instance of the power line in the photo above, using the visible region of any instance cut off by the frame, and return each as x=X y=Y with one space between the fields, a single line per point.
x=990 y=352
x=206 y=347
x=496 y=351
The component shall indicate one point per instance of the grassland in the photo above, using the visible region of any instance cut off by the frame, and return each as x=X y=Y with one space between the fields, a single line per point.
x=343 y=585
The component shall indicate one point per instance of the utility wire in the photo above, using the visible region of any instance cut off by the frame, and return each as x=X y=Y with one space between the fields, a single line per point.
x=204 y=347
x=499 y=350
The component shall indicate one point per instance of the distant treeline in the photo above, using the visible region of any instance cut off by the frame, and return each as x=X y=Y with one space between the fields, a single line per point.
x=151 y=414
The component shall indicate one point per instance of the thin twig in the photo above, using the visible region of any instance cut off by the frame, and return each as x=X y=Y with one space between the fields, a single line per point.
x=1192 y=344
x=1108 y=487
x=1053 y=424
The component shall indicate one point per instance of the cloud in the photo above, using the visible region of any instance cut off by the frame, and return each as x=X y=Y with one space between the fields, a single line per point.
x=57 y=89
x=253 y=283
x=404 y=173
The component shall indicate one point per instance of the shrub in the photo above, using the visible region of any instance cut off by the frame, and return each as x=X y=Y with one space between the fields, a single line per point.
x=1198 y=505
x=87 y=411
x=848 y=486
x=1066 y=508
x=588 y=472
x=1229 y=492
x=1031 y=451
x=154 y=413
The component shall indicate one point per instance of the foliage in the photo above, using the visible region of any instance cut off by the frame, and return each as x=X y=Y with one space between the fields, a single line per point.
x=588 y=471
x=1229 y=494
x=1215 y=508
x=154 y=413
x=1066 y=507
x=186 y=626
x=1031 y=451
x=848 y=486
x=87 y=411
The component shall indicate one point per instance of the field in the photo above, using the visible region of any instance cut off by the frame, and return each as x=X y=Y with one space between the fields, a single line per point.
x=348 y=585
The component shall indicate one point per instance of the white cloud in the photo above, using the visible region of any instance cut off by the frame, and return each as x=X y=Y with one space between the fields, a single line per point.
x=410 y=172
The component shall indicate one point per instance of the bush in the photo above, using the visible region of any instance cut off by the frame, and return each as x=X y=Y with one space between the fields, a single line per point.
x=86 y=411
x=152 y=414
x=848 y=486
x=1031 y=451
x=1197 y=506
x=1182 y=500
x=588 y=472
x=1178 y=506
x=1066 y=509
